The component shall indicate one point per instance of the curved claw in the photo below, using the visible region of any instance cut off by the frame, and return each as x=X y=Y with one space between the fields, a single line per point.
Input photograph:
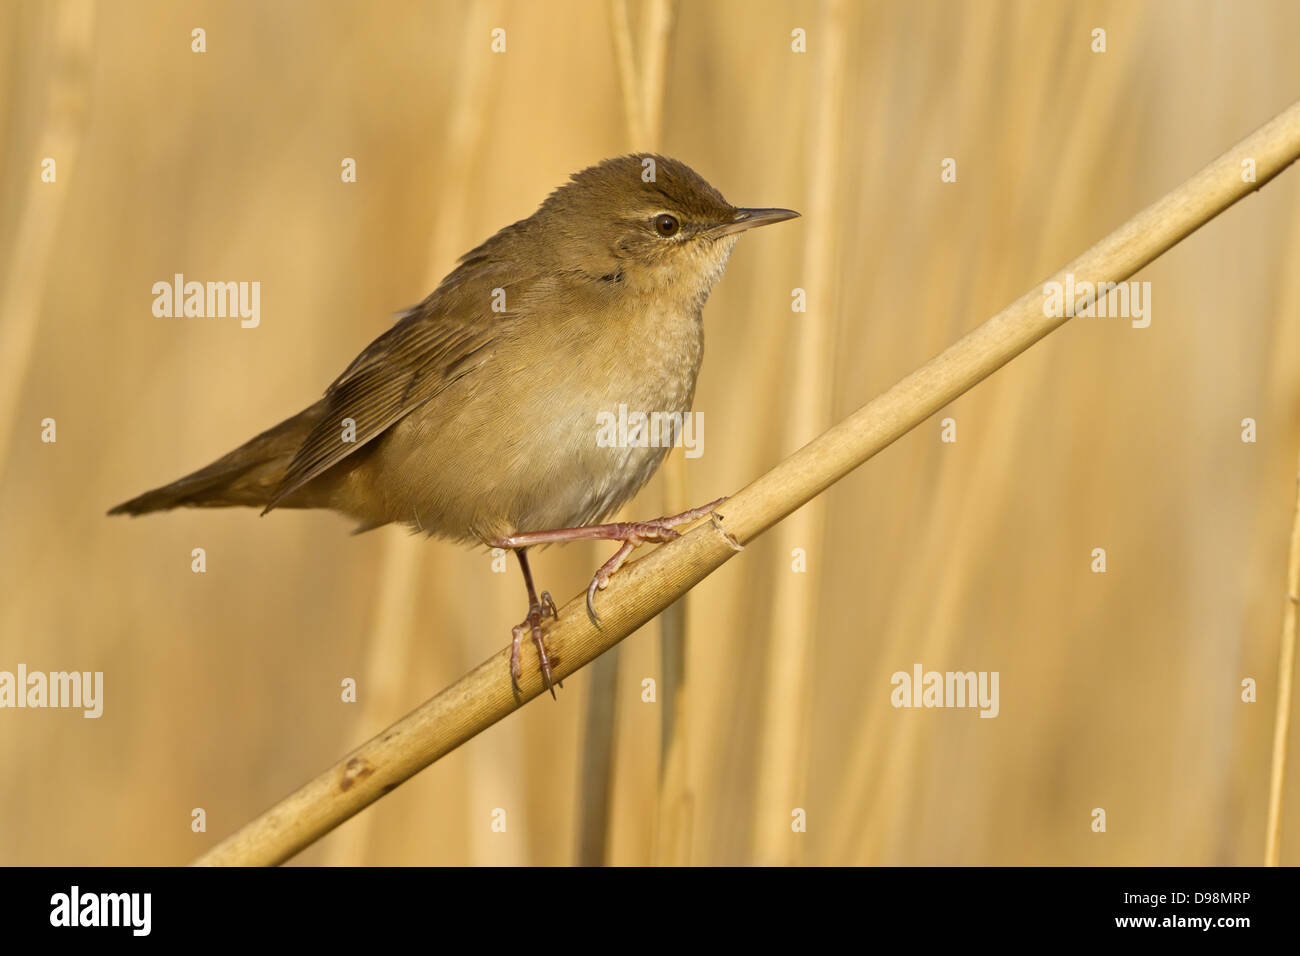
x=516 y=668
x=532 y=624
x=591 y=598
x=543 y=660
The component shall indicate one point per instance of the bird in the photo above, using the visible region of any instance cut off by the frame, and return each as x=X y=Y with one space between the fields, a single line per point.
x=474 y=417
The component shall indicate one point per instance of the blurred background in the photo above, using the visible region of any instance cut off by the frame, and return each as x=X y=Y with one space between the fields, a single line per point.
x=1118 y=690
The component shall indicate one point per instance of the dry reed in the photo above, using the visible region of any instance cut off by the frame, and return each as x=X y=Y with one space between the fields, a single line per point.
x=1285 y=683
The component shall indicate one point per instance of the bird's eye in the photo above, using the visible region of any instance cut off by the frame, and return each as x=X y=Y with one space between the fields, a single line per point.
x=666 y=225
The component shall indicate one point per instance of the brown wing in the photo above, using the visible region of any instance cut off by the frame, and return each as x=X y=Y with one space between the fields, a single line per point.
x=440 y=340
x=405 y=367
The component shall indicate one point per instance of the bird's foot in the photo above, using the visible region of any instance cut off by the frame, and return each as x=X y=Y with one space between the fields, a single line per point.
x=633 y=533
x=538 y=611
x=629 y=533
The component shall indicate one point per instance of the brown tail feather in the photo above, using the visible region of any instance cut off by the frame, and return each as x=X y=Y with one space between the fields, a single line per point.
x=246 y=476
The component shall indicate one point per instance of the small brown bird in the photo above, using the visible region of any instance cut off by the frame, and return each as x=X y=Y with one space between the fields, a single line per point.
x=475 y=417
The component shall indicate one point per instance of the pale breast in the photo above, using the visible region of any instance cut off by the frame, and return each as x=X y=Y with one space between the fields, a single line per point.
x=545 y=433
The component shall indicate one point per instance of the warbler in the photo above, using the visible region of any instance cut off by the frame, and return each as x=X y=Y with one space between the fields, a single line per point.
x=475 y=417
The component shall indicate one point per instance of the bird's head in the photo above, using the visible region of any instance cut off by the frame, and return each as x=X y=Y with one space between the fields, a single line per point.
x=645 y=223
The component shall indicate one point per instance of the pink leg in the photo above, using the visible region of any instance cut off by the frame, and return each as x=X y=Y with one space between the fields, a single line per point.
x=630 y=533
x=538 y=610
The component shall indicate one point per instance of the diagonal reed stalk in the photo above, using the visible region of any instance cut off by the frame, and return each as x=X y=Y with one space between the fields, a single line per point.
x=1285 y=680
x=648 y=586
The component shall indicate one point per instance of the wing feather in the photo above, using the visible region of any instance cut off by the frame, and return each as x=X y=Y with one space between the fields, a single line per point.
x=404 y=368
x=444 y=338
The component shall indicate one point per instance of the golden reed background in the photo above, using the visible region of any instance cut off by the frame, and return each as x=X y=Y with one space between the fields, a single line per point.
x=1119 y=691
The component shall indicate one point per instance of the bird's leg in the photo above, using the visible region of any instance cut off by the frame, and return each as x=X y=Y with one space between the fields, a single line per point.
x=630 y=533
x=538 y=610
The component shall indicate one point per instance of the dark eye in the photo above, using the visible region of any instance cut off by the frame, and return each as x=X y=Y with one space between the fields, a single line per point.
x=666 y=225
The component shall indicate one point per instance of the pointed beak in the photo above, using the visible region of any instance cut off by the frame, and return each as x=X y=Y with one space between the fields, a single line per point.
x=750 y=219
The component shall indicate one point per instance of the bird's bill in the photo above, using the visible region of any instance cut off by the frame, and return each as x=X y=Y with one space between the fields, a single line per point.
x=752 y=218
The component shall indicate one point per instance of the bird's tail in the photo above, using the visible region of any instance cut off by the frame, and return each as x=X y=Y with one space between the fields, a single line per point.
x=246 y=476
